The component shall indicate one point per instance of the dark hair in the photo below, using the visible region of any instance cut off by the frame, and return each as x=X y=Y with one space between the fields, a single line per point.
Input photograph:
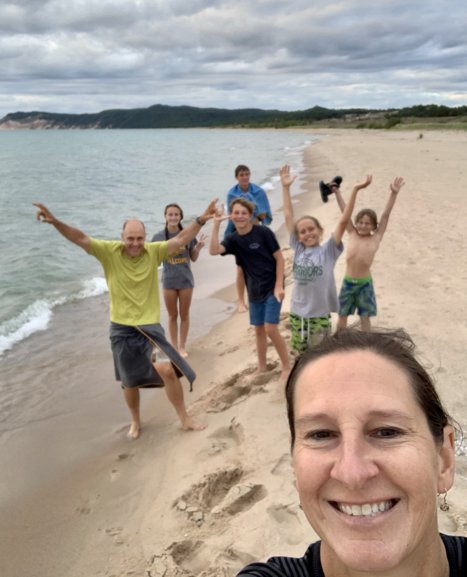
x=244 y=202
x=180 y=227
x=371 y=214
x=241 y=168
x=394 y=345
x=314 y=219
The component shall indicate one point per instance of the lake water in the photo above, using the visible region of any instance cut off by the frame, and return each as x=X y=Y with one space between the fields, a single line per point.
x=54 y=309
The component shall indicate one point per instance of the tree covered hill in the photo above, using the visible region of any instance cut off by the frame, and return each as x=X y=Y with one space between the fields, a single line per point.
x=162 y=116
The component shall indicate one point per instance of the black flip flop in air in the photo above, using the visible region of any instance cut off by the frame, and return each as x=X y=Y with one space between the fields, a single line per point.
x=326 y=189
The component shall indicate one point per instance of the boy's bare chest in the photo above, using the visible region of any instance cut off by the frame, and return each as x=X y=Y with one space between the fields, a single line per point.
x=362 y=248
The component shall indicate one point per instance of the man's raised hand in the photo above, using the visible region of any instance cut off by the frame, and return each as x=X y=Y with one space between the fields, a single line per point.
x=44 y=214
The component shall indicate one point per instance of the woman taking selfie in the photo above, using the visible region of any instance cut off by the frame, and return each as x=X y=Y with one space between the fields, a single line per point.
x=373 y=455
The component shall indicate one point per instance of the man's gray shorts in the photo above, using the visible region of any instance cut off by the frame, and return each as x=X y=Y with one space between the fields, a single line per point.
x=132 y=349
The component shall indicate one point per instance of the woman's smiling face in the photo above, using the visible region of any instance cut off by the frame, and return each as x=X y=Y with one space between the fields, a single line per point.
x=367 y=466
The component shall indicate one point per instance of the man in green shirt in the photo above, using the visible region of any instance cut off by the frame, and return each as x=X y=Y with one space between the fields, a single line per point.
x=130 y=267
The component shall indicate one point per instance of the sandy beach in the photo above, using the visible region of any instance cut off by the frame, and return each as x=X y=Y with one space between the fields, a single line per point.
x=204 y=504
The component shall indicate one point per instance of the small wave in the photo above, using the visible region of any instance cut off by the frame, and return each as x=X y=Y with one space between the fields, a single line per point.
x=93 y=288
x=33 y=319
x=267 y=185
x=36 y=317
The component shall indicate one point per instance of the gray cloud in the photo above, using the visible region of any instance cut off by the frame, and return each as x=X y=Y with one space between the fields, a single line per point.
x=85 y=56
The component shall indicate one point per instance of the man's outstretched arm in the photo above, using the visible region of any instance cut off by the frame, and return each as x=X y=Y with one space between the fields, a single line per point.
x=189 y=233
x=74 y=235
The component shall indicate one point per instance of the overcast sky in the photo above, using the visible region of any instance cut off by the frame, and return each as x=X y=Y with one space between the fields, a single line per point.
x=91 y=55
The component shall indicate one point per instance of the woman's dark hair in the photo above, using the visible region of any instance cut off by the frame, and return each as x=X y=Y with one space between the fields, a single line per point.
x=180 y=227
x=394 y=345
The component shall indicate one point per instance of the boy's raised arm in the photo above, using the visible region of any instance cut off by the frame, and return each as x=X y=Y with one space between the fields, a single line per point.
x=347 y=214
x=215 y=247
x=72 y=234
x=395 y=187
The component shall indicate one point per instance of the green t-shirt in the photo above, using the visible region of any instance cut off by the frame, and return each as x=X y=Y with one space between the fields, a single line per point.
x=133 y=282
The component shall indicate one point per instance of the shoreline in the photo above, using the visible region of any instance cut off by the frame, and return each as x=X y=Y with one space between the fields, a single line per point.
x=268 y=521
x=207 y=503
x=100 y=414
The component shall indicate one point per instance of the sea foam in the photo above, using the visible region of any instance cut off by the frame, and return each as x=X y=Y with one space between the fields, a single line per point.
x=36 y=317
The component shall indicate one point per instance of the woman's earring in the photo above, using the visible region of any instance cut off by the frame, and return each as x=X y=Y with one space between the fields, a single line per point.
x=444 y=506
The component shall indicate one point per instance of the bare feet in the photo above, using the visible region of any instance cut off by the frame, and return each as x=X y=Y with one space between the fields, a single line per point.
x=241 y=307
x=189 y=424
x=133 y=432
x=183 y=352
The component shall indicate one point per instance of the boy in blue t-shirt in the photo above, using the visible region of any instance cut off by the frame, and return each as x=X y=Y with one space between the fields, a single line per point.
x=261 y=215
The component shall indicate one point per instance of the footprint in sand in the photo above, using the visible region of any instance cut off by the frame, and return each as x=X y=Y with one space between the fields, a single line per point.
x=220 y=493
x=120 y=458
x=240 y=498
x=229 y=350
x=224 y=438
x=116 y=533
x=87 y=507
x=83 y=510
x=283 y=466
x=124 y=456
x=193 y=557
x=227 y=562
x=237 y=389
x=288 y=523
x=190 y=555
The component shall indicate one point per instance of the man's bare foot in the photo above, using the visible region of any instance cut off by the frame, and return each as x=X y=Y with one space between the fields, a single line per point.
x=189 y=424
x=241 y=307
x=133 y=432
x=183 y=352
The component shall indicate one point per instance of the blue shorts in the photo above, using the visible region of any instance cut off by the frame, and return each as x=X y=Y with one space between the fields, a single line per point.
x=357 y=294
x=267 y=311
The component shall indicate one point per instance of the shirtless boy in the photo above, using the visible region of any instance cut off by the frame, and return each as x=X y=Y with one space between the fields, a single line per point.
x=357 y=292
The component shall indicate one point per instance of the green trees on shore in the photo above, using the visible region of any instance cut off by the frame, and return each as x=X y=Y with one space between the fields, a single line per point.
x=162 y=116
